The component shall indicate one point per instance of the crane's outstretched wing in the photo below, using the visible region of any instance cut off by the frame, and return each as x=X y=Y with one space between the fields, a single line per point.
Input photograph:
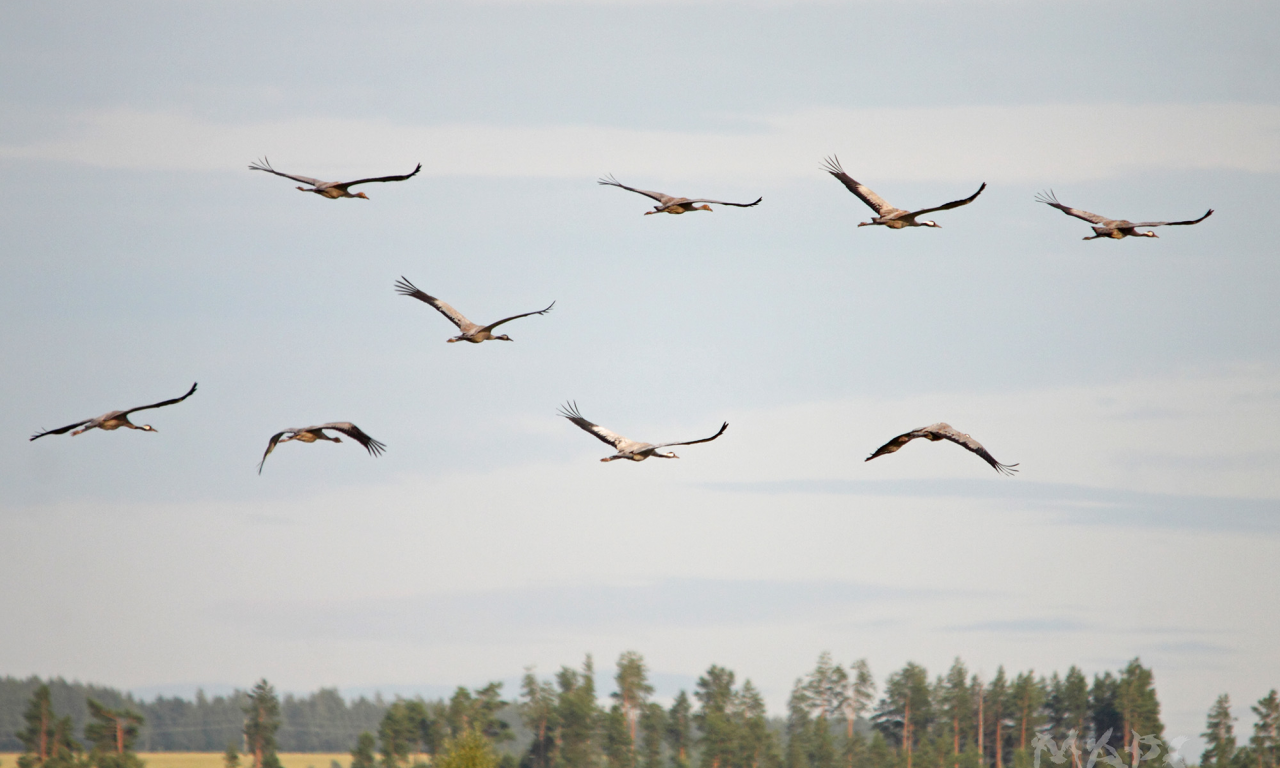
x=409 y=175
x=570 y=412
x=265 y=165
x=723 y=427
x=161 y=404
x=1174 y=223
x=491 y=326
x=953 y=203
x=406 y=288
x=61 y=430
x=1048 y=198
x=717 y=202
x=897 y=443
x=947 y=432
x=271 y=446
x=864 y=193
x=374 y=447
x=612 y=182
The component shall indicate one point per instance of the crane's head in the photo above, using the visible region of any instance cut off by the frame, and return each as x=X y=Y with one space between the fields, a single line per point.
x=667 y=455
x=703 y=207
x=931 y=224
x=148 y=428
x=361 y=195
x=503 y=337
x=1149 y=233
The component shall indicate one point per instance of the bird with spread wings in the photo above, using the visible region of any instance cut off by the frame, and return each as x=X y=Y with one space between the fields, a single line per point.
x=628 y=449
x=330 y=189
x=470 y=331
x=1115 y=229
x=669 y=204
x=115 y=419
x=312 y=434
x=944 y=431
x=887 y=215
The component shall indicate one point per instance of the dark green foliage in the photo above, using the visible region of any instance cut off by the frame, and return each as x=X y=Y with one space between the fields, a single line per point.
x=478 y=708
x=1264 y=745
x=653 y=726
x=261 y=721
x=231 y=757
x=362 y=755
x=112 y=734
x=1219 y=735
x=619 y=749
x=578 y=714
x=906 y=711
x=1068 y=704
x=679 y=733
x=538 y=710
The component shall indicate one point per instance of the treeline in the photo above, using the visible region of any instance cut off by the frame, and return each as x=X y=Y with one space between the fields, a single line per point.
x=837 y=717
x=320 y=722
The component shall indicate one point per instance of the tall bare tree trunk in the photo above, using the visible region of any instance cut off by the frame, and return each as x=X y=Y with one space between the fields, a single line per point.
x=955 y=737
x=998 y=744
x=906 y=732
x=119 y=737
x=982 y=727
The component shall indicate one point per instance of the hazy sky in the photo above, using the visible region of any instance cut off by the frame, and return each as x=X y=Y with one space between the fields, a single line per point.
x=1137 y=382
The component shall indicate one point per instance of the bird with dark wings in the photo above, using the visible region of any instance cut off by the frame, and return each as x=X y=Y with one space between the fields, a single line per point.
x=627 y=449
x=115 y=419
x=470 y=331
x=887 y=215
x=330 y=189
x=312 y=434
x=1115 y=229
x=944 y=431
x=669 y=204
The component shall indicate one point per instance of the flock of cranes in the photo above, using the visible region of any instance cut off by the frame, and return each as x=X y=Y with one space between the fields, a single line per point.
x=624 y=448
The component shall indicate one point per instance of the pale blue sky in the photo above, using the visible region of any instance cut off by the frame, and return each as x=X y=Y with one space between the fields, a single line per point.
x=1136 y=382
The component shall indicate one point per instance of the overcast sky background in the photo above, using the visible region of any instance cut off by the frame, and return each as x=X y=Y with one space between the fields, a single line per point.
x=1136 y=382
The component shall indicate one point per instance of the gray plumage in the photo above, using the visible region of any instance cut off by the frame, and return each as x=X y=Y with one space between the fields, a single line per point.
x=312 y=434
x=943 y=431
x=669 y=204
x=627 y=449
x=115 y=419
x=887 y=215
x=330 y=189
x=1115 y=229
x=470 y=331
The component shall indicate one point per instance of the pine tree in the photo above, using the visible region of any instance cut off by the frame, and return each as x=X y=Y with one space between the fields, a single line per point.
x=906 y=711
x=262 y=720
x=578 y=714
x=37 y=737
x=955 y=701
x=1069 y=708
x=758 y=748
x=538 y=710
x=619 y=747
x=398 y=735
x=998 y=708
x=112 y=734
x=362 y=756
x=1219 y=735
x=679 y=733
x=633 y=689
x=472 y=749
x=1265 y=742
x=717 y=732
x=1028 y=698
x=1139 y=708
x=653 y=726
x=231 y=757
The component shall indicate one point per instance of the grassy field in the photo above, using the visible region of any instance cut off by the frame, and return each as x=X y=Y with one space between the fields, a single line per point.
x=214 y=759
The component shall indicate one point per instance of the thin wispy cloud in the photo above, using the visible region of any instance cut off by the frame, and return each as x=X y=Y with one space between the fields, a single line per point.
x=1028 y=143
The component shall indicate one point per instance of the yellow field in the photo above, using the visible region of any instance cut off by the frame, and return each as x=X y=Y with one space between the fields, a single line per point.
x=214 y=759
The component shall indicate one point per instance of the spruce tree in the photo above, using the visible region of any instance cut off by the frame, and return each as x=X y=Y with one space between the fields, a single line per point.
x=758 y=748
x=1265 y=742
x=679 y=731
x=37 y=737
x=906 y=711
x=998 y=708
x=1219 y=735
x=619 y=748
x=955 y=702
x=472 y=749
x=231 y=757
x=262 y=720
x=578 y=714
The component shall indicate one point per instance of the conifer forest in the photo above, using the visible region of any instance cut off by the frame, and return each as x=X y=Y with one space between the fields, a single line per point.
x=837 y=716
